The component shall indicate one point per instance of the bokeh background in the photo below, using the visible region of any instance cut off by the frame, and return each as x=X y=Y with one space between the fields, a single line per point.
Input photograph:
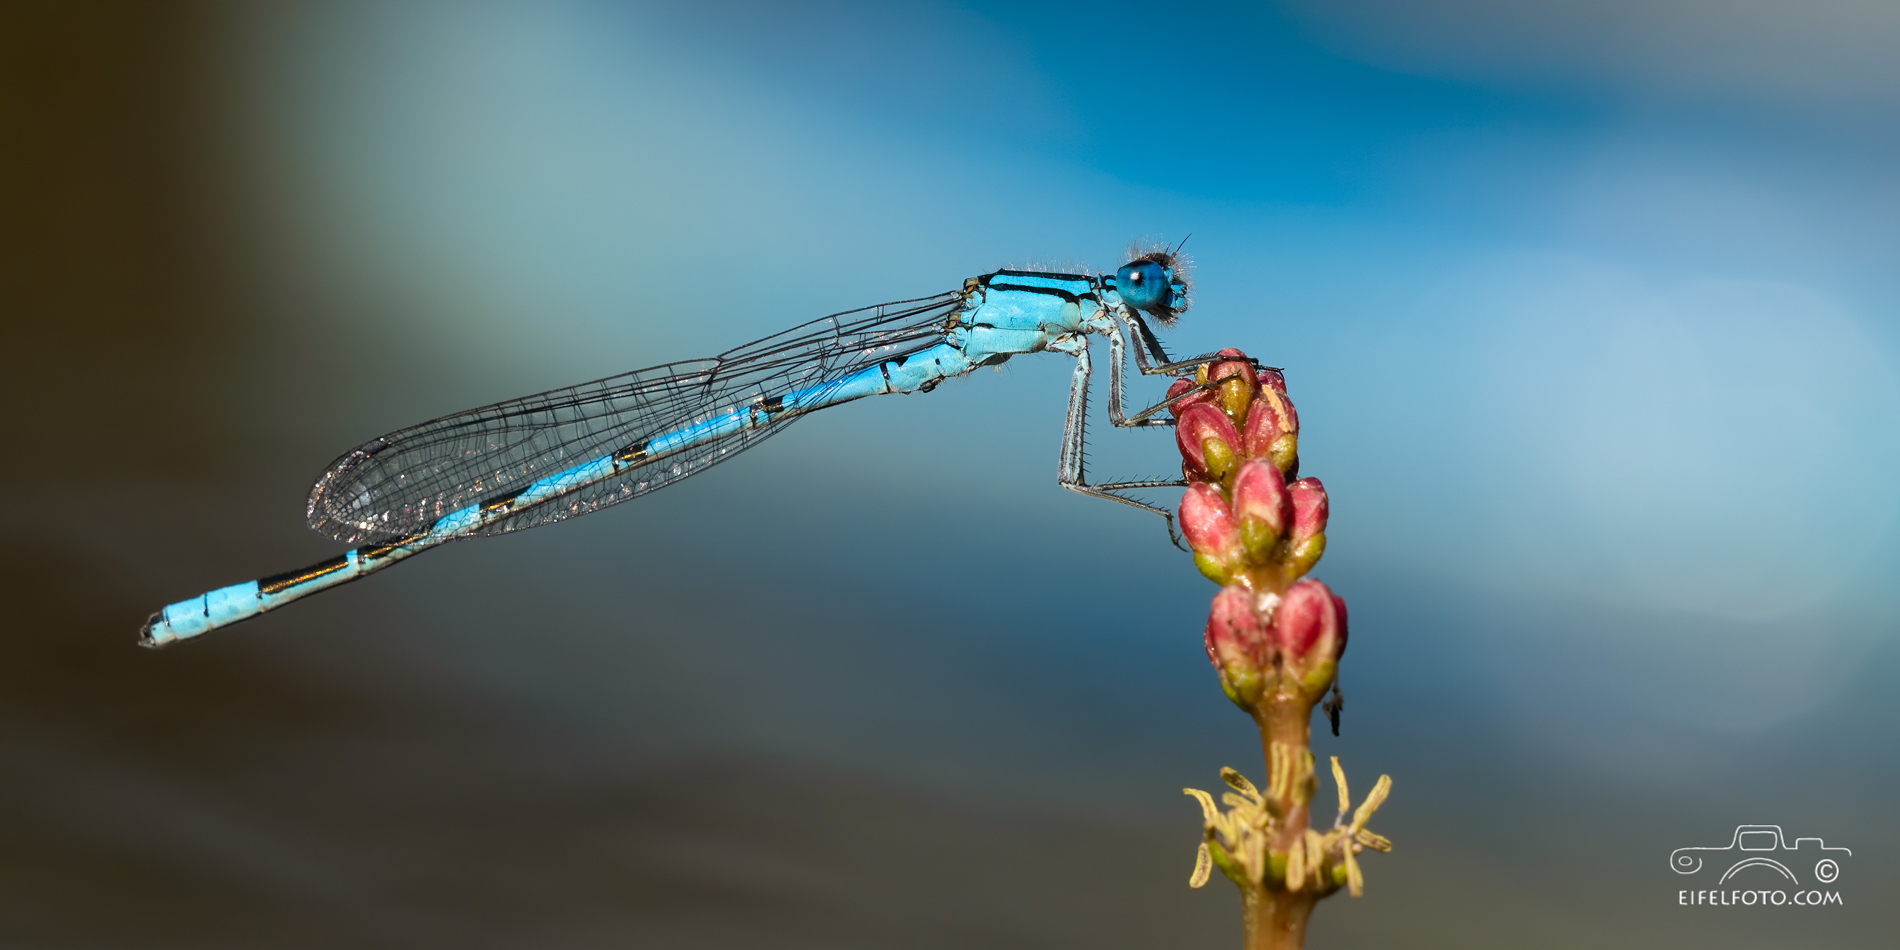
x=1590 y=310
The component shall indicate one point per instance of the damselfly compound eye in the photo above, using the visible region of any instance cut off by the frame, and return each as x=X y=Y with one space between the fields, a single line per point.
x=1144 y=285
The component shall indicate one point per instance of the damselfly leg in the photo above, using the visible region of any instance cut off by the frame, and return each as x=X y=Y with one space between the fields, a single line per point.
x=1071 y=472
x=1117 y=348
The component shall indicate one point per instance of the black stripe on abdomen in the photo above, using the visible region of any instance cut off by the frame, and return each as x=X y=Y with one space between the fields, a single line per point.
x=500 y=502
x=633 y=453
x=380 y=551
x=277 y=583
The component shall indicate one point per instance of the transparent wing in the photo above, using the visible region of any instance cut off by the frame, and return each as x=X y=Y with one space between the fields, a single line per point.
x=400 y=484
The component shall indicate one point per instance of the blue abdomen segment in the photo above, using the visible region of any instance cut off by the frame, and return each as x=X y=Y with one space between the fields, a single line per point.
x=911 y=372
x=228 y=605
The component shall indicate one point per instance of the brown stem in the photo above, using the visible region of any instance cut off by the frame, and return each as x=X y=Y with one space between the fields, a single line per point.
x=1287 y=720
x=1274 y=918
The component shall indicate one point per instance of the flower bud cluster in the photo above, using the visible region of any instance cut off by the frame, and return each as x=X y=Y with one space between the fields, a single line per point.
x=1269 y=646
x=1271 y=632
x=1275 y=636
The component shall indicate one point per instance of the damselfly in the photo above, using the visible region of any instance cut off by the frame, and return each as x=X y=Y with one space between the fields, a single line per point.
x=539 y=459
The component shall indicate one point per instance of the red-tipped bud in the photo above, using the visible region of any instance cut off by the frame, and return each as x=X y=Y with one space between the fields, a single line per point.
x=1310 y=628
x=1209 y=443
x=1272 y=430
x=1272 y=379
x=1237 y=384
x=1262 y=506
x=1309 y=506
x=1261 y=428
x=1211 y=531
x=1308 y=537
x=1236 y=641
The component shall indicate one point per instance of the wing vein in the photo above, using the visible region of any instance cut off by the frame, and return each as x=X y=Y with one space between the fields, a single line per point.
x=401 y=484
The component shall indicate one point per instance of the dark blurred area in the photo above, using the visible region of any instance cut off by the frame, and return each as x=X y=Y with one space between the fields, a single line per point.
x=261 y=796
x=624 y=750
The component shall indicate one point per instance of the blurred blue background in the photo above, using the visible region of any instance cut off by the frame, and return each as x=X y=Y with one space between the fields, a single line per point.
x=1589 y=310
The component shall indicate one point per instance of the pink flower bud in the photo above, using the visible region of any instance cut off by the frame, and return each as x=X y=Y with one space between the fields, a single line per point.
x=1261 y=504
x=1309 y=506
x=1237 y=383
x=1272 y=430
x=1236 y=641
x=1261 y=428
x=1210 y=446
x=1308 y=538
x=1310 y=628
x=1211 y=531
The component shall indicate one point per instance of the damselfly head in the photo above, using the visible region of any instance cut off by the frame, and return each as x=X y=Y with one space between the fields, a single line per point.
x=1155 y=282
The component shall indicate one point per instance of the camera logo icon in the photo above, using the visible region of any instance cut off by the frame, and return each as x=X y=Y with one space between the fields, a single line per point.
x=1764 y=846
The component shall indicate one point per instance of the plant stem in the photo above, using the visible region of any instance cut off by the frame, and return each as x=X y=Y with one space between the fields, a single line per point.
x=1287 y=720
x=1274 y=918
